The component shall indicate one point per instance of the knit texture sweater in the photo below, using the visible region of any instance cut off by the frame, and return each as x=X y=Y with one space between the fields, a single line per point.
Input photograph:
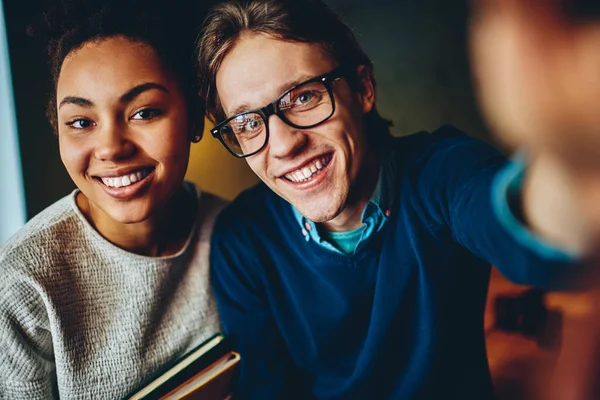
x=81 y=318
x=402 y=316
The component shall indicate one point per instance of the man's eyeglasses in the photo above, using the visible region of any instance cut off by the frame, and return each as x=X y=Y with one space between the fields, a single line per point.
x=304 y=106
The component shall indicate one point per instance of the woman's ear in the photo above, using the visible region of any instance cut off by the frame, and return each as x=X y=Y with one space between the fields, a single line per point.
x=197 y=128
x=196 y=131
x=365 y=88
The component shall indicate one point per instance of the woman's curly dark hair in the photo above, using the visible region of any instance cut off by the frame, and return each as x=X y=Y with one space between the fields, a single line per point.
x=169 y=27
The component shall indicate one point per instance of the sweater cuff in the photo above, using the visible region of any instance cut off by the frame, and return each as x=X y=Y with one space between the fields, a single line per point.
x=507 y=189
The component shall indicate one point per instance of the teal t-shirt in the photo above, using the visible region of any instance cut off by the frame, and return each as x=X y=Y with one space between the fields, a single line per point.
x=346 y=242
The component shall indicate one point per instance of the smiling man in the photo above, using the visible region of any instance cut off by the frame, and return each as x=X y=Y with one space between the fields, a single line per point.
x=359 y=269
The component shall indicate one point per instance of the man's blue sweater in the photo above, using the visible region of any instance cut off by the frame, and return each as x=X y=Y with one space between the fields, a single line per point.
x=400 y=318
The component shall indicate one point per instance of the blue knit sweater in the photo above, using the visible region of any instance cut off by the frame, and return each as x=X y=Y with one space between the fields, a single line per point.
x=400 y=318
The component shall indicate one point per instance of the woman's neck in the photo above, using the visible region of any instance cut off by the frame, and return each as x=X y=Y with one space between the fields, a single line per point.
x=163 y=234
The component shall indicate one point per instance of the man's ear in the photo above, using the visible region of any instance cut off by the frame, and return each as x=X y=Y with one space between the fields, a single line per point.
x=365 y=88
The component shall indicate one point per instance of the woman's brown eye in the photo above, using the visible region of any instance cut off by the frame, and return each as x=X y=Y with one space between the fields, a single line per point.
x=147 y=113
x=79 y=123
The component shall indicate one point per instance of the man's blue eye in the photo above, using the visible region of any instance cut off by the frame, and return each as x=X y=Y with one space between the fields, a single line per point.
x=253 y=124
x=305 y=98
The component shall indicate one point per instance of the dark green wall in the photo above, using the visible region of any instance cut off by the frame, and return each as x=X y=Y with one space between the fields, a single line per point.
x=418 y=47
x=419 y=51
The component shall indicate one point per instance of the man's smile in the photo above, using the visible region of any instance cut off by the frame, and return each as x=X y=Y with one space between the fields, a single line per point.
x=309 y=170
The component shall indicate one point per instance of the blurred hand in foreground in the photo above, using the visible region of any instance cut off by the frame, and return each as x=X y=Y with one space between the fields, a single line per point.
x=536 y=67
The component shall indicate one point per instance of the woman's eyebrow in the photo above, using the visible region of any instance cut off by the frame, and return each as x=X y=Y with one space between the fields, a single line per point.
x=125 y=98
x=139 y=89
x=78 y=101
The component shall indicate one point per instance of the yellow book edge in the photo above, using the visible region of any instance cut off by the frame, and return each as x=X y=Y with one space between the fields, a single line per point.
x=177 y=368
x=209 y=374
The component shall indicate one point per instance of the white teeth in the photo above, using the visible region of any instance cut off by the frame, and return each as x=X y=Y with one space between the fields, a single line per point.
x=125 y=180
x=306 y=173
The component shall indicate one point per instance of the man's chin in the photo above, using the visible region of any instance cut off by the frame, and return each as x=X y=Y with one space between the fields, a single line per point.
x=320 y=216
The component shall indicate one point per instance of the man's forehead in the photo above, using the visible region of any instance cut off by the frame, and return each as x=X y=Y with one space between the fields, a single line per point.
x=259 y=68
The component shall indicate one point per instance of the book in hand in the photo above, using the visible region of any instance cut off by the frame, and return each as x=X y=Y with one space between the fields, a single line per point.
x=207 y=372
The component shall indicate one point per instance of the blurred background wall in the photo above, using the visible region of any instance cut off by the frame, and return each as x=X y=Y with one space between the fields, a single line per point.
x=418 y=47
x=12 y=202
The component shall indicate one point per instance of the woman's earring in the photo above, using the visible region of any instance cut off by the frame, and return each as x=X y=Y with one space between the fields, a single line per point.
x=196 y=138
x=197 y=131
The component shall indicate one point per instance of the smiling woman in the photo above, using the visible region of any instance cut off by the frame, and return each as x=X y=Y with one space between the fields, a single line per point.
x=125 y=144
x=110 y=284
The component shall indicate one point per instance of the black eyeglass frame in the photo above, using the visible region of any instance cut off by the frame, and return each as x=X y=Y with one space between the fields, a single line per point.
x=273 y=109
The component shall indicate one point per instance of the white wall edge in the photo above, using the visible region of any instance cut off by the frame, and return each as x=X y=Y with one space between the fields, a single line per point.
x=12 y=193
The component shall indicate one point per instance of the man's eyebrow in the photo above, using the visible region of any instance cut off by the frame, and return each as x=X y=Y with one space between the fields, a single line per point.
x=78 y=101
x=239 y=109
x=284 y=87
x=139 y=89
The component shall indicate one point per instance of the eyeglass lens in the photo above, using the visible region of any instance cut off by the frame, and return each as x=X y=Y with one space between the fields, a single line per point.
x=301 y=107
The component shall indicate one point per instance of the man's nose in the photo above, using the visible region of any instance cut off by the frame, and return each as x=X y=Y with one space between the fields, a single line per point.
x=285 y=141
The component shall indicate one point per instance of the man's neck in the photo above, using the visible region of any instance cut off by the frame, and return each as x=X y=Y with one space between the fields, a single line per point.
x=360 y=194
x=349 y=219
